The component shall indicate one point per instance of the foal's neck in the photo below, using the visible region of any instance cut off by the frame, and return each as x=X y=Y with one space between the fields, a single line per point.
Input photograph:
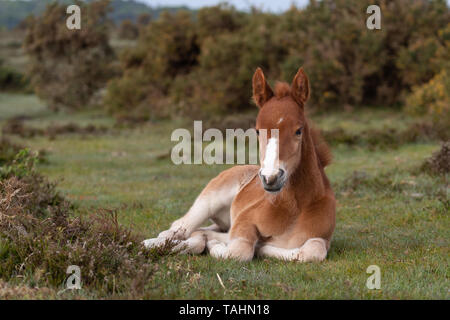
x=307 y=179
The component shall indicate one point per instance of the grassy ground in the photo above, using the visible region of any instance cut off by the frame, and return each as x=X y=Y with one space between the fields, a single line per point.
x=389 y=214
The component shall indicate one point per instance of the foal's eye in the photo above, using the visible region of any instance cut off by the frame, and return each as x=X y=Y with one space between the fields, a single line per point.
x=298 y=132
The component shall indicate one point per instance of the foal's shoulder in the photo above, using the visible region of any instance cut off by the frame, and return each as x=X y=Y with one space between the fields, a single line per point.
x=238 y=174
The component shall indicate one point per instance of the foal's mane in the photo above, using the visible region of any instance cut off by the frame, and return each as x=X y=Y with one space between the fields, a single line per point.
x=322 y=149
x=283 y=89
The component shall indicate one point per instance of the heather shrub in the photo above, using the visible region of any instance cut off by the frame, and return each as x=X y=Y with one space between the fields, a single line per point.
x=439 y=162
x=67 y=67
x=41 y=234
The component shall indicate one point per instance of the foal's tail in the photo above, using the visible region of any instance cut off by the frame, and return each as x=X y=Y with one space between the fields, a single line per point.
x=322 y=149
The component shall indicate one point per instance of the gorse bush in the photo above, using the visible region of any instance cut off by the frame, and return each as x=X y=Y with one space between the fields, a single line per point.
x=68 y=66
x=202 y=65
x=222 y=80
x=167 y=47
x=432 y=99
x=128 y=30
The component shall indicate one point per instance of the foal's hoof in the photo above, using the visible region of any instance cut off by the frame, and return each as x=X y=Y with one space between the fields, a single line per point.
x=152 y=243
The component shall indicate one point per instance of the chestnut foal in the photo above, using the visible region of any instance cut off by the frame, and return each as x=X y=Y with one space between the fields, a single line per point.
x=283 y=209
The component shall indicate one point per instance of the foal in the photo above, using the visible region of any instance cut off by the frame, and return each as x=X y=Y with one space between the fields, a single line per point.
x=283 y=209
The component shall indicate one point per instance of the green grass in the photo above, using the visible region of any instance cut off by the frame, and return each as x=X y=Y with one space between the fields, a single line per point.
x=389 y=214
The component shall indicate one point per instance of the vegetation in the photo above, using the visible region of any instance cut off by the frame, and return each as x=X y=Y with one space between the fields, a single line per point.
x=203 y=64
x=11 y=80
x=432 y=99
x=67 y=68
x=439 y=163
x=12 y=13
x=38 y=238
x=390 y=213
x=100 y=183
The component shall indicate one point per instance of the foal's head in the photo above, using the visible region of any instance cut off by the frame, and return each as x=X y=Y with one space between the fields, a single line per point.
x=283 y=109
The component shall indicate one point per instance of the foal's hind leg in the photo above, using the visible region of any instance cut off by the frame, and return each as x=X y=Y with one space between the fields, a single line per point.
x=314 y=249
x=213 y=203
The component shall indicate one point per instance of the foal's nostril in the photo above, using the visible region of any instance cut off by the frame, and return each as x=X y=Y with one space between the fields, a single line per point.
x=270 y=180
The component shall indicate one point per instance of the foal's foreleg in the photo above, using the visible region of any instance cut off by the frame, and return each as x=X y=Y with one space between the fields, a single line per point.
x=213 y=203
x=239 y=244
x=314 y=249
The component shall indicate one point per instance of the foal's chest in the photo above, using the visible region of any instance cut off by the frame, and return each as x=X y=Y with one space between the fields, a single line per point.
x=273 y=215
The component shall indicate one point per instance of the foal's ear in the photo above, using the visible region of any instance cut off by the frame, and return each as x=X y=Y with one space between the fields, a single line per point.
x=300 y=87
x=261 y=89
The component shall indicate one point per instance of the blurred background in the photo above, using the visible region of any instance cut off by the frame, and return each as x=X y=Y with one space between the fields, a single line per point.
x=140 y=60
x=92 y=110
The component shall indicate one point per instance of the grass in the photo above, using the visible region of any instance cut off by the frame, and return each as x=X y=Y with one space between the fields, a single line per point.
x=389 y=214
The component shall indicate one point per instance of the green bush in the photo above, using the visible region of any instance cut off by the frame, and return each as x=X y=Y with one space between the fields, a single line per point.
x=204 y=65
x=67 y=67
x=222 y=81
x=166 y=48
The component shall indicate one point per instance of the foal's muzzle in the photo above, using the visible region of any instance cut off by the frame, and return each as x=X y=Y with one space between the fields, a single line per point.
x=274 y=182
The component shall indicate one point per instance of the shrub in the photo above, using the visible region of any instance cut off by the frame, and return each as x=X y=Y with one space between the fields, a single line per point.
x=128 y=30
x=204 y=65
x=143 y=19
x=11 y=80
x=8 y=151
x=432 y=99
x=439 y=162
x=40 y=237
x=222 y=81
x=68 y=66
x=167 y=47
x=219 y=19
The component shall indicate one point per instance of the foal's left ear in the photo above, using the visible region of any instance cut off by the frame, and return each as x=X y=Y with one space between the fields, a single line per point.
x=300 y=87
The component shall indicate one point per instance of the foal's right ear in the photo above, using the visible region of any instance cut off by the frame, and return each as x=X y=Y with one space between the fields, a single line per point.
x=261 y=89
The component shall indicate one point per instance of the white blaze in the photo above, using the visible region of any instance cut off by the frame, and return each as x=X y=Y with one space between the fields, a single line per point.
x=270 y=163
